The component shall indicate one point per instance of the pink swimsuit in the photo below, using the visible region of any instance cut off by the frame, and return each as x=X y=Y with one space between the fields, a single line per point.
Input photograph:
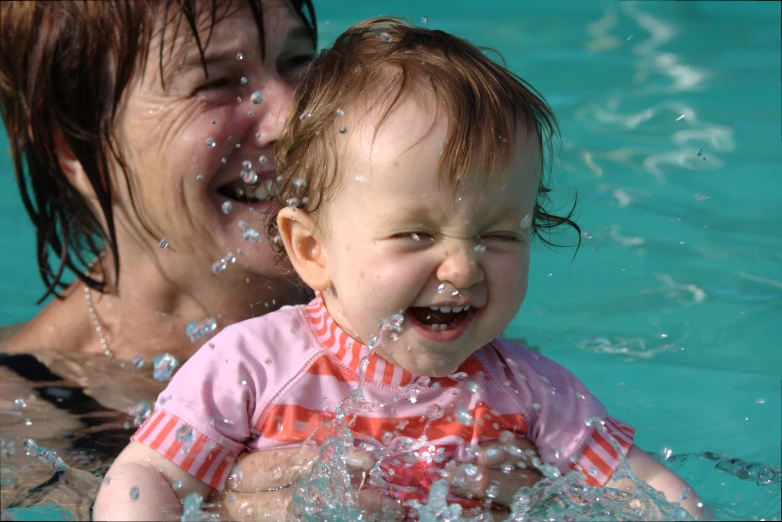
x=269 y=381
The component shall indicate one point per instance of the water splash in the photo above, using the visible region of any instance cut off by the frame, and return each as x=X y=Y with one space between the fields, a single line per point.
x=46 y=455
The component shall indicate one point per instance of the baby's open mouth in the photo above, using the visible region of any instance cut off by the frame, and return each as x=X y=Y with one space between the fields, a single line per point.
x=440 y=318
x=244 y=193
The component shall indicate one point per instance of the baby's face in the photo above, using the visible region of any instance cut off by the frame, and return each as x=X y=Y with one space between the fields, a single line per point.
x=397 y=241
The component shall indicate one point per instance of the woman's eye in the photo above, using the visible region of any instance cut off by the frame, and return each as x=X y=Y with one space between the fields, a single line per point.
x=297 y=61
x=292 y=69
x=218 y=84
x=512 y=238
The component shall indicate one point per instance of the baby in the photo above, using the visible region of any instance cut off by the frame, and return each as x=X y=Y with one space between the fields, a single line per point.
x=410 y=186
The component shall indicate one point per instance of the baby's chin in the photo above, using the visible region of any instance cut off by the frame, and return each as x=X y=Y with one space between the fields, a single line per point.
x=427 y=364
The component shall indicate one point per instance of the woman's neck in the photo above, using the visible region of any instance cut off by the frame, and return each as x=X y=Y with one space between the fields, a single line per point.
x=148 y=314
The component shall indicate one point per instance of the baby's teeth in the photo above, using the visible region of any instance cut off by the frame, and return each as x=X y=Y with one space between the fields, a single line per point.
x=443 y=327
x=446 y=309
x=434 y=308
x=436 y=327
x=456 y=309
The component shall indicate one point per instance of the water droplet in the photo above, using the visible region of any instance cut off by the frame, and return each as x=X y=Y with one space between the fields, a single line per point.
x=699 y=151
x=393 y=336
x=250 y=113
x=767 y=475
x=139 y=411
x=304 y=115
x=222 y=263
x=441 y=288
x=214 y=122
x=340 y=112
x=227 y=206
x=134 y=493
x=701 y=197
x=239 y=56
x=472 y=386
x=177 y=484
x=299 y=183
x=263 y=160
x=343 y=130
x=250 y=177
x=665 y=453
x=247 y=165
x=243 y=80
x=434 y=412
x=249 y=234
x=184 y=434
x=210 y=142
x=680 y=117
x=163 y=243
x=463 y=416
x=480 y=248
x=424 y=19
x=19 y=404
x=385 y=36
x=469 y=469
x=238 y=145
x=526 y=221
x=292 y=202
x=164 y=366
x=138 y=362
x=200 y=177
x=224 y=161
x=256 y=98
x=267 y=361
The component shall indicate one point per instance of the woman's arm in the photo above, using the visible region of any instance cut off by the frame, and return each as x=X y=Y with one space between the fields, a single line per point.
x=646 y=468
x=141 y=467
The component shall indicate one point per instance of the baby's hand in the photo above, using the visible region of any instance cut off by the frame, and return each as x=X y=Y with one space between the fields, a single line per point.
x=500 y=470
x=262 y=490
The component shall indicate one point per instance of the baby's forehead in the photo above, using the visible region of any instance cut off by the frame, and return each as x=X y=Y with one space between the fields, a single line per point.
x=413 y=124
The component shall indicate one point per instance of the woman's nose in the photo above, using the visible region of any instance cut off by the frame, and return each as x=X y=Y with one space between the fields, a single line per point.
x=277 y=99
x=461 y=268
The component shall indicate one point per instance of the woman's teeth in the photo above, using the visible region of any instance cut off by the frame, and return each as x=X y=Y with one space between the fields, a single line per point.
x=262 y=191
x=449 y=309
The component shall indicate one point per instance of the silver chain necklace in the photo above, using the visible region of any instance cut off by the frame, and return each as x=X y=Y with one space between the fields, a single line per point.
x=95 y=321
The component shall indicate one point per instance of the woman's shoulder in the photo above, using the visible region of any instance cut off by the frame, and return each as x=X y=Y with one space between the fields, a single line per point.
x=56 y=328
x=8 y=332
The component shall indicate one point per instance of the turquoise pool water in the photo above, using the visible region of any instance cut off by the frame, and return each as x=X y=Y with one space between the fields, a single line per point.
x=671 y=310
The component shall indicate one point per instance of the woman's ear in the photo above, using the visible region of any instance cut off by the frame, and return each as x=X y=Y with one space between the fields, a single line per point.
x=304 y=248
x=71 y=166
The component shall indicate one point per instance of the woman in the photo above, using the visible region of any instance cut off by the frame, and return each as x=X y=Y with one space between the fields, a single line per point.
x=147 y=130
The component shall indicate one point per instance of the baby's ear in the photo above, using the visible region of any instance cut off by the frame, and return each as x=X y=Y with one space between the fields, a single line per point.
x=304 y=248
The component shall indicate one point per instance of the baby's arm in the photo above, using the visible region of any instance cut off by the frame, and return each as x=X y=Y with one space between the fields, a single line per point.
x=646 y=468
x=153 y=475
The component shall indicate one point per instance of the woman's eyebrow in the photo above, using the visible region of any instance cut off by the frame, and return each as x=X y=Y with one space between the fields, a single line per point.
x=231 y=52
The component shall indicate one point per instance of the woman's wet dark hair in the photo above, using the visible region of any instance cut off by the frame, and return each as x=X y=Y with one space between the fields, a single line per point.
x=64 y=67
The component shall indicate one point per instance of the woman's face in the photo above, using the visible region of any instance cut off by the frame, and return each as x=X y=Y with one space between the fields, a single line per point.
x=185 y=141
